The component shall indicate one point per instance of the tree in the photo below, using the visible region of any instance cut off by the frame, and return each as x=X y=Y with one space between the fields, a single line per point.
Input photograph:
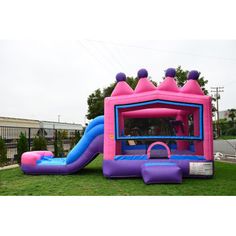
x=22 y=146
x=232 y=114
x=61 y=150
x=75 y=139
x=96 y=99
x=95 y=104
x=55 y=145
x=3 y=151
x=58 y=144
x=39 y=143
x=181 y=78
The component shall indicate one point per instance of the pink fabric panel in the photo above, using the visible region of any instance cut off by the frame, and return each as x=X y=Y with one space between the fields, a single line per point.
x=208 y=130
x=109 y=130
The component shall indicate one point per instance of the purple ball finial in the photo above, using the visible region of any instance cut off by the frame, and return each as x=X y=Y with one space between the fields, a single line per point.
x=193 y=75
x=143 y=73
x=120 y=77
x=170 y=72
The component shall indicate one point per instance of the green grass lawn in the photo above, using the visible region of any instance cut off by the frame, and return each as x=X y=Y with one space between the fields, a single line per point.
x=90 y=181
x=226 y=137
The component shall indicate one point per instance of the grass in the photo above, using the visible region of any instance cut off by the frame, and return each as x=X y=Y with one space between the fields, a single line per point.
x=226 y=137
x=90 y=181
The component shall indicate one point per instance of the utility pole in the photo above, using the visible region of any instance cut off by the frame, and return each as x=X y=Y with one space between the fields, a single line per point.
x=216 y=93
x=58 y=118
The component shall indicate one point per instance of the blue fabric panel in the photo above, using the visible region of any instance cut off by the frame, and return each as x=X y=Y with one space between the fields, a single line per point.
x=160 y=164
x=182 y=157
x=51 y=161
x=135 y=147
x=84 y=142
x=144 y=157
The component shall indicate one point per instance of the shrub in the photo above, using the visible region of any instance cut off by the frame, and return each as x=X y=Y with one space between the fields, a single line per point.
x=75 y=139
x=3 y=151
x=22 y=146
x=39 y=143
x=58 y=144
x=231 y=131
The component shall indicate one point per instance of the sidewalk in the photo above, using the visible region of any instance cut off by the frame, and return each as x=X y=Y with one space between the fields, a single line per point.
x=9 y=167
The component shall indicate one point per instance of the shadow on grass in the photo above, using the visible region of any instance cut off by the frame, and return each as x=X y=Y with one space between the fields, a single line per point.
x=90 y=171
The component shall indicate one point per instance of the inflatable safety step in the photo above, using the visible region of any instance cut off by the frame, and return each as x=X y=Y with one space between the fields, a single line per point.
x=161 y=172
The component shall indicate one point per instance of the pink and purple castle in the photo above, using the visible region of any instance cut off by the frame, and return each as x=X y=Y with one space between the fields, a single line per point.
x=161 y=134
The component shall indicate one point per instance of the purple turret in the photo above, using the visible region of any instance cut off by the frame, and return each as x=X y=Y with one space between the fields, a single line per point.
x=142 y=73
x=193 y=75
x=170 y=72
x=120 y=77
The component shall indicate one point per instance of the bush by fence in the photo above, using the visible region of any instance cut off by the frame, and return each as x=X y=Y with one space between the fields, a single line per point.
x=227 y=128
x=3 y=151
x=22 y=146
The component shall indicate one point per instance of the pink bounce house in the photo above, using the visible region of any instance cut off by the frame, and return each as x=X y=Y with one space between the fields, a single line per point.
x=161 y=134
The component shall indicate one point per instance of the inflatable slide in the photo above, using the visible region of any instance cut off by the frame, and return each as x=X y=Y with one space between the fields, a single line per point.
x=90 y=145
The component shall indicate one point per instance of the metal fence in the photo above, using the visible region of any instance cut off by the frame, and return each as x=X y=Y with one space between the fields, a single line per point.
x=11 y=136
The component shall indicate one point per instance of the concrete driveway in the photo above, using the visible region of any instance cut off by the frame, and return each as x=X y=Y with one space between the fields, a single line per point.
x=225 y=146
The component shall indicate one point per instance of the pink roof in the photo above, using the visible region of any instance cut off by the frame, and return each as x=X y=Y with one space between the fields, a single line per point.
x=193 y=87
x=169 y=84
x=122 y=88
x=144 y=85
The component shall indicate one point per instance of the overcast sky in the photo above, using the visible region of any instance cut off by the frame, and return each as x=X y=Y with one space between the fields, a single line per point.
x=44 y=79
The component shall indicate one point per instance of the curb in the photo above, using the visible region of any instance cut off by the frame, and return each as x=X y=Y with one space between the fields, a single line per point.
x=9 y=167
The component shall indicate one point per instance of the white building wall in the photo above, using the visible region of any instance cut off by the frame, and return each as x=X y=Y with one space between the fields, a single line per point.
x=19 y=122
x=60 y=125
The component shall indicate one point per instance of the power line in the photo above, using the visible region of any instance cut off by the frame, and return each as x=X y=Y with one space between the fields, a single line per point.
x=216 y=93
x=162 y=51
x=108 y=55
x=96 y=58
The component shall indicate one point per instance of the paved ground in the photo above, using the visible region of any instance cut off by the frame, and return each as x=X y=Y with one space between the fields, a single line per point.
x=225 y=146
x=9 y=167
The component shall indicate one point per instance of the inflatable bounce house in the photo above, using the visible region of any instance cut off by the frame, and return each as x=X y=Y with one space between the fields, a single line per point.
x=161 y=134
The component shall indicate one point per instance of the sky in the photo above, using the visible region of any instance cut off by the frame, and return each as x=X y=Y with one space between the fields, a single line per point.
x=44 y=79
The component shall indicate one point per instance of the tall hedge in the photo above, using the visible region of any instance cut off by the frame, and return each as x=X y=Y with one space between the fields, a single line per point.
x=22 y=146
x=3 y=151
x=39 y=143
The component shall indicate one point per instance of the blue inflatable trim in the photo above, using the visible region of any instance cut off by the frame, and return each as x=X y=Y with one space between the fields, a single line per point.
x=175 y=157
x=160 y=164
x=84 y=142
x=96 y=121
x=124 y=157
x=144 y=157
